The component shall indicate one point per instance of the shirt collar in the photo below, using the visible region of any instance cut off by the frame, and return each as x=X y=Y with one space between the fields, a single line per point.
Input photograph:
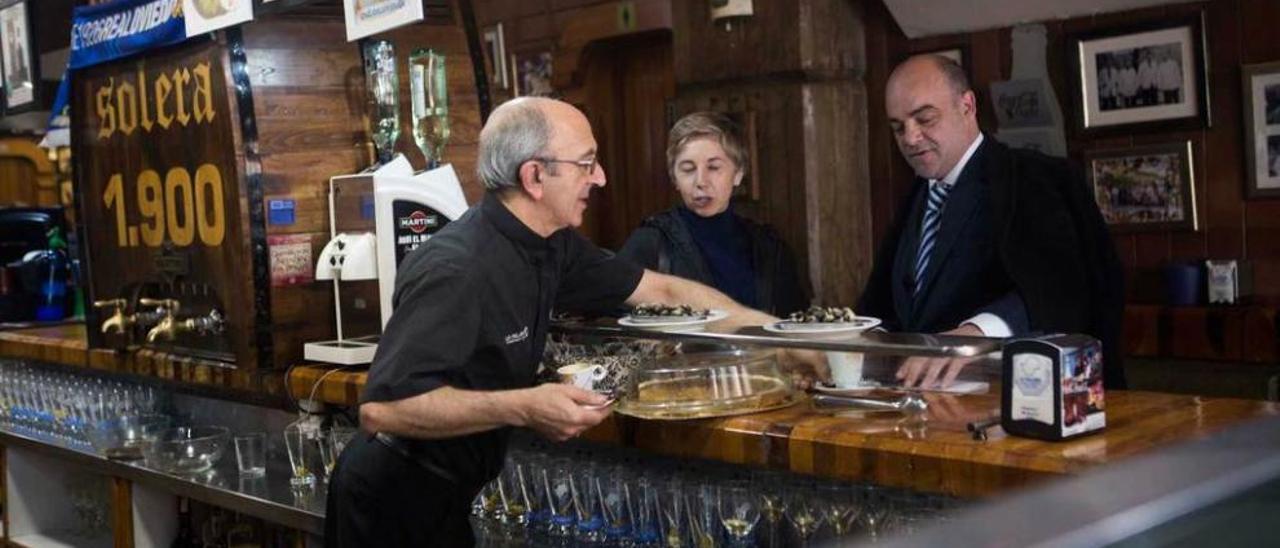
x=954 y=174
x=510 y=225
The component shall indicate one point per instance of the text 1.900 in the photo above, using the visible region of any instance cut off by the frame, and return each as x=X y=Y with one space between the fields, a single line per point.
x=179 y=208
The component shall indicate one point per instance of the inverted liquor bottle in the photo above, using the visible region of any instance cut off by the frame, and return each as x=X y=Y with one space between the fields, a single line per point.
x=429 y=89
x=383 y=96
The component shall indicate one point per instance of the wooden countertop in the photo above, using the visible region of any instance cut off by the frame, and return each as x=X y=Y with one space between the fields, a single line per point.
x=67 y=345
x=935 y=453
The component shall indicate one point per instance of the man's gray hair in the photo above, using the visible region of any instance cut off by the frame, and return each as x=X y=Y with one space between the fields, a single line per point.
x=516 y=132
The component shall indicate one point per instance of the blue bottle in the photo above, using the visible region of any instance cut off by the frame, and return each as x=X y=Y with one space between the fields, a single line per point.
x=52 y=305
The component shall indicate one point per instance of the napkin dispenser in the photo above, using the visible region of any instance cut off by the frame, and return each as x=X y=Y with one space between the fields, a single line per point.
x=1053 y=387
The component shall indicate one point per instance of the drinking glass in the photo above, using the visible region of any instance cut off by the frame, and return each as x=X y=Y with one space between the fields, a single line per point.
x=739 y=511
x=586 y=503
x=674 y=513
x=877 y=508
x=804 y=511
x=614 y=494
x=300 y=440
x=646 y=522
x=428 y=86
x=558 y=484
x=251 y=454
x=842 y=506
x=382 y=86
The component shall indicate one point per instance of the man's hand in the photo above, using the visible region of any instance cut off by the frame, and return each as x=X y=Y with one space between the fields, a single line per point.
x=561 y=411
x=807 y=367
x=925 y=372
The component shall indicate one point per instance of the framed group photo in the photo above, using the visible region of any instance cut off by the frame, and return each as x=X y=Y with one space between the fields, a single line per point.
x=1154 y=77
x=1262 y=129
x=1144 y=188
x=531 y=73
x=17 y=61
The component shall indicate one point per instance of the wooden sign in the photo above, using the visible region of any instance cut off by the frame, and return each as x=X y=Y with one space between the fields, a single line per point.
x=163 y=194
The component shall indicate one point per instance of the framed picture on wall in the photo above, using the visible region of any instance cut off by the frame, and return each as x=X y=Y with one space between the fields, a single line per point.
x=16 y=58
x=1262 y=129
x=1150 y=77
x=531 y=73
x=495 y=56
x=1144 y=188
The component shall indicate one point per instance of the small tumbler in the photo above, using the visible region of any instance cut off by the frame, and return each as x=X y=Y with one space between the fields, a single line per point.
x=251 y=454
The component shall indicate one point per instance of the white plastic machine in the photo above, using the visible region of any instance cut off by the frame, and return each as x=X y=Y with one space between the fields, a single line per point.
x=407 y=210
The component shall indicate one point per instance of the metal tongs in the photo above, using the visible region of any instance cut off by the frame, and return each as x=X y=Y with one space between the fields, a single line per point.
x=910 y=402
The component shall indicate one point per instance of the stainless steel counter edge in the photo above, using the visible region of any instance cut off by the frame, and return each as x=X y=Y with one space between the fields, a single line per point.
x=875 y=343
x=308 y=520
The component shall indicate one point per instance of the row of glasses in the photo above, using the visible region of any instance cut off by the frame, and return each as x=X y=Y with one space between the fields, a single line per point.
x=64 y=406
x=577 y=498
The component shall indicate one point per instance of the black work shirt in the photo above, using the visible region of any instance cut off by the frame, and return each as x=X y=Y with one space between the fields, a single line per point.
x=472 y=307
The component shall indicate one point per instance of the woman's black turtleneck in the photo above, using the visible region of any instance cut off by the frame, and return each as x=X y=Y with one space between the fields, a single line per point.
x=727 y=250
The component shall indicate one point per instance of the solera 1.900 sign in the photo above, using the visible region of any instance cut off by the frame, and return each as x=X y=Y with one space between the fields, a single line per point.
x=185 y=205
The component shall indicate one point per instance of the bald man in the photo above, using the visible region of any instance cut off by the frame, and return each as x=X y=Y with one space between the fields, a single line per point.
x=455 y=366
x=993 y=241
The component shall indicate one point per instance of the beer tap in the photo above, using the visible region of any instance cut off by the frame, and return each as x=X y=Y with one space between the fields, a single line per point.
x=168 y=325
x=211 y=323
x=119 y=321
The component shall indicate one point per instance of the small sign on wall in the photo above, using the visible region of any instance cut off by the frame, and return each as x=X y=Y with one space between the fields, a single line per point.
x=290 y=257
x=203 y=16
x=281 y=212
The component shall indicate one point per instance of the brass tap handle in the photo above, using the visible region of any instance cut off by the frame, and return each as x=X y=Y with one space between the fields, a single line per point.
x=171 y=305
x=212 y=322
x=118 y=322
x=110 y=303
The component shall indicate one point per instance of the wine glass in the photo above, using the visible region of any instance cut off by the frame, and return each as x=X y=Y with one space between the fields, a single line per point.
x=739 y=511
x=383 y=86
x=804 y=512
x=428 y=86
x=842 y=506
x=877 y=507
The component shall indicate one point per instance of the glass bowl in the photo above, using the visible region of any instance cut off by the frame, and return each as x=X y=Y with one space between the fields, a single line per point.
x=123 y=437
x=717 y=381
x=187 y=449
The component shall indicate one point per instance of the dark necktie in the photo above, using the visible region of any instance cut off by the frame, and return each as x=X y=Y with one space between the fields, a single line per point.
x=929 y=229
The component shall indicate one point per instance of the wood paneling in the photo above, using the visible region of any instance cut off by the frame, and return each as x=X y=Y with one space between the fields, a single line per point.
x=26 y=174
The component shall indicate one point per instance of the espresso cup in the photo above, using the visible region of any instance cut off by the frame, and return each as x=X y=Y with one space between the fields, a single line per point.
x=846 y=369
x=582 y=375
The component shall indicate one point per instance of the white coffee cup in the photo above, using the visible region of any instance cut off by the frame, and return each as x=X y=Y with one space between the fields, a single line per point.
x=582 y=375
x=846 y=369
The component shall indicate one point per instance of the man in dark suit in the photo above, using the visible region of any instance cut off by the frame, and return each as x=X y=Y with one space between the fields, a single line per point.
x=993 y=242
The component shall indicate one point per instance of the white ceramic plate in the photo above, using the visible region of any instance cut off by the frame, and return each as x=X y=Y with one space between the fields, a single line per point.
x=676 y=323
x=788 y=327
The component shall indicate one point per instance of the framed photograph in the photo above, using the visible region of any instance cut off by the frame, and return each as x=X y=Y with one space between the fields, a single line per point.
x=495 y=56
x=1152 y=76
x=531 y=73
x=1144 y=188
x=17 y=59
x=1262 y=129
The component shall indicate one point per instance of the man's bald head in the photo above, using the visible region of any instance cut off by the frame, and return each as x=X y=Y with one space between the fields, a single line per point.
x=517 y=131
x=932 y=112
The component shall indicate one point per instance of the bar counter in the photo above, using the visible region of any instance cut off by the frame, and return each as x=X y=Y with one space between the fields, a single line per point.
x=934 y=452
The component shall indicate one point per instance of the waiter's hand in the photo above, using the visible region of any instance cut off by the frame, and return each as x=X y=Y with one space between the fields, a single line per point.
x=562 y=411
x=925 y=372
x=806 y=366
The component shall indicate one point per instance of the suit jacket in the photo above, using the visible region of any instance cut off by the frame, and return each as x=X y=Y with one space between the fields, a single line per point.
x=663 y=243
x=1022 y=237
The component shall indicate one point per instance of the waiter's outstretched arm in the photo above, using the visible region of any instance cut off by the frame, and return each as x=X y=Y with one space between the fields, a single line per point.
x=557 y=411
x=656 y=287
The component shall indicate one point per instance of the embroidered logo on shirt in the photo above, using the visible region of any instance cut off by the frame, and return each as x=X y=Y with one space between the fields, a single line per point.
x=518 y=336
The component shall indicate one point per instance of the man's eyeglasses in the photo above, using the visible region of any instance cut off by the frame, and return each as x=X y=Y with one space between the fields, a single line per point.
x=589 y=166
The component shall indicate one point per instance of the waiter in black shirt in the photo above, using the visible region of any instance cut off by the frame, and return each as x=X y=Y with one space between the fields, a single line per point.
x=455 y=366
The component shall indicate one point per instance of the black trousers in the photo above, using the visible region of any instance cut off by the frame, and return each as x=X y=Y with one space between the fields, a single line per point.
x=378 y=497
